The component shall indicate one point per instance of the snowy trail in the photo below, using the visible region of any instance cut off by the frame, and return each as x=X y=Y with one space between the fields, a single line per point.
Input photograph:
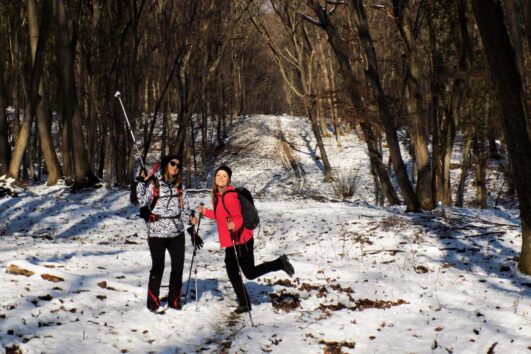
x=367 y=279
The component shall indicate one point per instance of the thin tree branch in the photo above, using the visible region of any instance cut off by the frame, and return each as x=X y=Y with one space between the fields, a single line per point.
x=310 y=19
x=336 y=2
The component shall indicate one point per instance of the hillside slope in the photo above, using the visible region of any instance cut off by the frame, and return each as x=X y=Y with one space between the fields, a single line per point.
x=368 y=279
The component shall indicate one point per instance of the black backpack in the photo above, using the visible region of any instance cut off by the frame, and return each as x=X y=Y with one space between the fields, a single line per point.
x=249 y=212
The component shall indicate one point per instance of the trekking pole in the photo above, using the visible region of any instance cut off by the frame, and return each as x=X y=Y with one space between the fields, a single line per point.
x=240 y=274
x=117 y=95
x=196 y=292
x=196 y=231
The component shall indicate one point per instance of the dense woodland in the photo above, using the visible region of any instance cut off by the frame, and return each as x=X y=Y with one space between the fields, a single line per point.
x=419 y=74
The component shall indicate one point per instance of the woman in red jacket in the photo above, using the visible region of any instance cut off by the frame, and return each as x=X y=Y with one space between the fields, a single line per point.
x=231 y=219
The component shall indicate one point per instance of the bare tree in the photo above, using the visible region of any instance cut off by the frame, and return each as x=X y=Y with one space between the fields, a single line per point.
x=43 y=121
x=405 y=19
x=297 y=58
x=33 y=97
x=508 y=83
x=5 y=151
x=72 y=114
x=372 y=74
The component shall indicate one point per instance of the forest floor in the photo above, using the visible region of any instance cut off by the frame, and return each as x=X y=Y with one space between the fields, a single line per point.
x=368 y=279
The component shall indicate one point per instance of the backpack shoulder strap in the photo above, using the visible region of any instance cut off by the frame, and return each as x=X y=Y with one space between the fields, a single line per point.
x=155 y=188
x=223 y=199
x=155 y=191
x=180 y=195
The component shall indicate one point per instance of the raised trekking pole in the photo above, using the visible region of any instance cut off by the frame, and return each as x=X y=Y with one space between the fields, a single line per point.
x=117 y=95
x=195 y=233
x=240 y=273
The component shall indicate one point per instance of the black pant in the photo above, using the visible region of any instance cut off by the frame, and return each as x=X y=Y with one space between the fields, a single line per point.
x=157 y=248
x=246 y=259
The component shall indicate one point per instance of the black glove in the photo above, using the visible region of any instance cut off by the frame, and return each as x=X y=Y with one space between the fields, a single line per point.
x=196 y=240
x=142 y=173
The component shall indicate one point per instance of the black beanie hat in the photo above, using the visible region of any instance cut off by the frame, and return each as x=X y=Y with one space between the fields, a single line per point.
x=166 y=160
x=224 y=168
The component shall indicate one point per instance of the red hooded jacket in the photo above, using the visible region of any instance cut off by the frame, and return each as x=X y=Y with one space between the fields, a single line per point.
x=235 y=214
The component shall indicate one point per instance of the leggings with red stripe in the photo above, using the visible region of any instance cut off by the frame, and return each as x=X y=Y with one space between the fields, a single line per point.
x=157 y=248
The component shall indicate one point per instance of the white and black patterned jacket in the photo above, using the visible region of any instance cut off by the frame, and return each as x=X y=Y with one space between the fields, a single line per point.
x=172 y=219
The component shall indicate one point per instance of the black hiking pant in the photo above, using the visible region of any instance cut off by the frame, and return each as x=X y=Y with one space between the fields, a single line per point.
x=157 y=248
x=251 y=271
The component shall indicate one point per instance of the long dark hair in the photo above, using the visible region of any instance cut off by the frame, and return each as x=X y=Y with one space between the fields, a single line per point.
x=168 y=179
x=215 y=189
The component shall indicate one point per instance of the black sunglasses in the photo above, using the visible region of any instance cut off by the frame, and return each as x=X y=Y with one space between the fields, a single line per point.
x=178 y=164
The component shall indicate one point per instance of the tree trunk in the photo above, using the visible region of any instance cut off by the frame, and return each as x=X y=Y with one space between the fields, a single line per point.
x=83 y=175
x=446 y=130
x=340 y=48
x=321 y=119
x=441 y=119
x=43 y=121
x=321 y=115
x=480 y=166
x=465 y=165
x=310 y=111
x=204 y=136
x=404 y=19
x=527 y=11
x=448 y=134
x=372 y=72
x=66 y=143
x=5 y=151
x=166 y=117
x=513 y=23
x=188 y=158
x=21 y=144
x=508 y=84
x=33 y=97
x=332 y=98
x=377 y=164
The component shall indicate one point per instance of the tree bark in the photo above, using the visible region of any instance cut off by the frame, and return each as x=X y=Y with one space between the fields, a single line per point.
x=404 y=19
x=33 y=97
x=43 y=121
x=377 y=164
x=83 y=176
x=465 y=165
x=480 y=170
x=513 y=23
x=527 y=12
x=5 y=151
x=508 y=84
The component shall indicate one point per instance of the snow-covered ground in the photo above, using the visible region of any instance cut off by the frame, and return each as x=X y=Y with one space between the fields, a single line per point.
x=368 y=279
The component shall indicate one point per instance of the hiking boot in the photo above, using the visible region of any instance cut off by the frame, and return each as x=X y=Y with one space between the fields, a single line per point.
x=176 y=306
x=286 y=265
x=242 y=309
x=153 y=307
x=153 y=303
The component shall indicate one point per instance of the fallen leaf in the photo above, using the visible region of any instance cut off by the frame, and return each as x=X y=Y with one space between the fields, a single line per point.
x=14 y=269
x=51 y=278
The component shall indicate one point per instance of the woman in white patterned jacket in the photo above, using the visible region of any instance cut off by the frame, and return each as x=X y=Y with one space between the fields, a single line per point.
x=165 y=208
